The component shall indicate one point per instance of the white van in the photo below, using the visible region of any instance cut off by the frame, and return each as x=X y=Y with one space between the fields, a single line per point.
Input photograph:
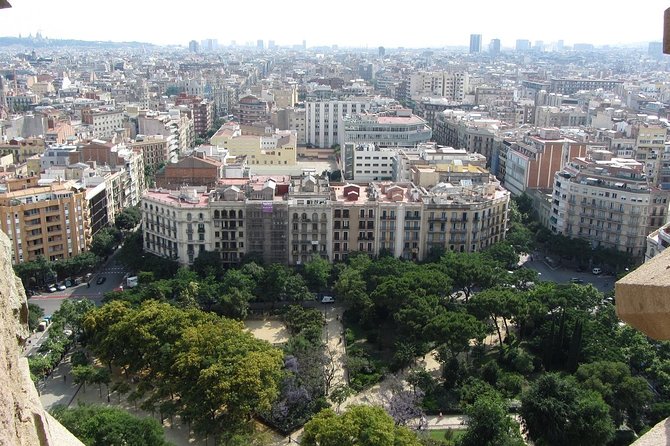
x=327 y=300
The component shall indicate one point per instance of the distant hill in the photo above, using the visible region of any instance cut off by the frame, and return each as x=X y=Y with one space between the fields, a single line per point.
x=33 y=42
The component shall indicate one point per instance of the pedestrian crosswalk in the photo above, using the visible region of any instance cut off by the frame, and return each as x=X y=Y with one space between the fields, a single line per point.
x=112 y=270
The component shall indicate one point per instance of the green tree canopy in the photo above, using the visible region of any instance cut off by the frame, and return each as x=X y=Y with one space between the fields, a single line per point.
x=626 y=395
x=489 y=424
x=359 y=425
x=218 y=373
x=557 y=412
x=109 y=426
x=128 y=218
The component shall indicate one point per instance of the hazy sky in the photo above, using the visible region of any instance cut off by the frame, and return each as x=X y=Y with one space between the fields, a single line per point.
x=390 y=23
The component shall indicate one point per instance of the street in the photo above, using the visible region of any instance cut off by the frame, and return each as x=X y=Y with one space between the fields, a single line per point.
x=561 y=274
x=112 y=270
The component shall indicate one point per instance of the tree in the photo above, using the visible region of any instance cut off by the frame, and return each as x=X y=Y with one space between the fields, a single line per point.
x=317 y=273
x=121 y=388
x=626 y=395
x=557 y=412
x=503 y=252
x=83 y=374
x=339 y=395
x=104 y=241
x=489 y=424
x=359 y=425
x=35 y=313
x=401 y=404
x=454 y=330
x=109 y=426
x=73 y=313
x=223 y=374
x=128 y=218
x=101 y=376
x=35 y=273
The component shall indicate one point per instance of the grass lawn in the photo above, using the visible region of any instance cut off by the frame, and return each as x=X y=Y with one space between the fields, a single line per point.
x=438 y=434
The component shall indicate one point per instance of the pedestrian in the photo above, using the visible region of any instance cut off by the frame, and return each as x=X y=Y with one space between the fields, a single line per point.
x=289 y=439
x=440 y=415
x=64 y=378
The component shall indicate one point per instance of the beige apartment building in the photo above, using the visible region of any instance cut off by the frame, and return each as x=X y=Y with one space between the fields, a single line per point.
x=608 y=202
x=154 y=149
x=278 y=148
x=50 y=221
x=295 y=219
x=23 y=148
x=649 y=149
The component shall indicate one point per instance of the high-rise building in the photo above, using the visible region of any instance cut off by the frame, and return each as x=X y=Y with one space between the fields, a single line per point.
x=271 y=44
x=494 y=46
x=522 y=45
x=259 y=44
x=381 y=51
x=49 y=221
x=475 y=43
x=193 y=46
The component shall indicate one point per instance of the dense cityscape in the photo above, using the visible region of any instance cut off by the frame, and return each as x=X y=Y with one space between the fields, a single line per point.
x=260 y=244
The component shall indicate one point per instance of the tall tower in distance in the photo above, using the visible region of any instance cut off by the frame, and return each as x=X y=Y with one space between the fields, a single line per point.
x=475 y=43
x=381 y=51
x=193 y=46
x=494 y=47
x=3 y=99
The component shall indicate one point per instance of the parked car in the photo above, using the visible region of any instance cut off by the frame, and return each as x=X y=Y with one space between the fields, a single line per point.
x=576 y=280
x=52 y=288
x=327 y=300
x=61 y=287
x=101 y=280
x=597 y=271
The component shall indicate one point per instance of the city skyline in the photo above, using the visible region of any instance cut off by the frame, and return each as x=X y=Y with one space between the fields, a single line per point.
x=350 y=25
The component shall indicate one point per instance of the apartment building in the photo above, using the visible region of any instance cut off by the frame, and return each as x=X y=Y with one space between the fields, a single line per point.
x=175 y=126
x=44 y=220
x=442 y=84
x=650 y=149
x=252 y=110
x=463 y=130
x=154 y=150
x=23 y=148
x=118 y=157
x=104 y=123
x=293 y=220
x=397 y=128
x=367 y=162
x=278 y=148
x=657 y=241
x=202 y=112
x=311 y=229
x=532 y=161
x=324 y=120
x=573 y=85
x=607 y=201
x=547 y=116
x=293 y=119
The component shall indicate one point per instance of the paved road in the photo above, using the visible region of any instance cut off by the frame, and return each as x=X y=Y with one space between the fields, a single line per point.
x=112 y=270
x=563 y=275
